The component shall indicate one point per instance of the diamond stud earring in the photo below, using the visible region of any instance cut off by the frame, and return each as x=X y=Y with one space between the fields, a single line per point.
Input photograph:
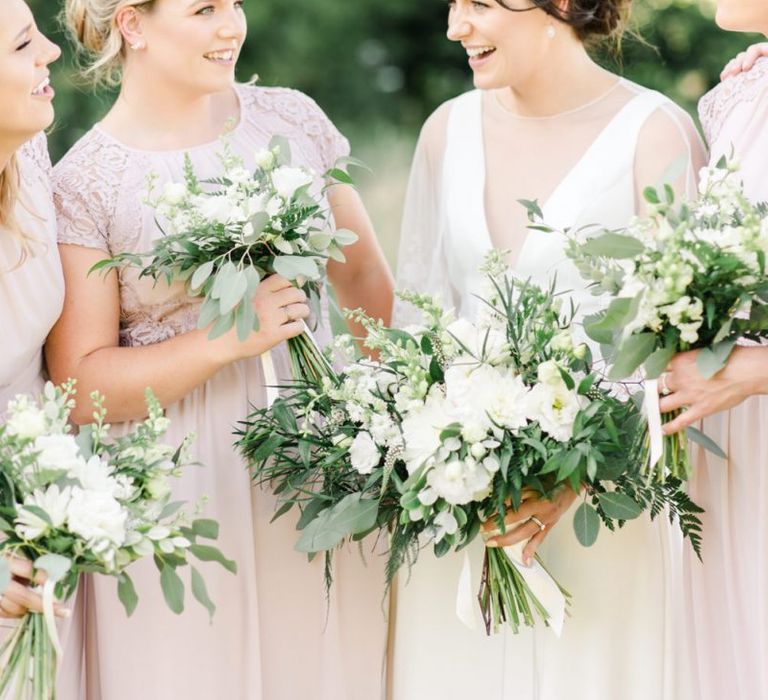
x=551 y=31
x=136 y=45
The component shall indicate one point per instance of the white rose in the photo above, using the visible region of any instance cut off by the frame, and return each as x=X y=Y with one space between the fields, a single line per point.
x=555 y=408
x=27 y=422
x=58 y=453
x=287 y=180
x=53 y=501
x=158 y=487
x=96 y=517
x=364 y=453
x=460 y=481
x=216 y=209
x=95 y=475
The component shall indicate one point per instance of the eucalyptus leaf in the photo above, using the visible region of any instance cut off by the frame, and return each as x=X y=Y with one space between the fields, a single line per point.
x=293 y=266
x=586 y=524
x=226 y=272
x=126 y=592
x=5 y=574
x=349 y=516
x=222 y=326
x=54 y=565
x=203 y=527
x=619 y=506
x=613 y=245
x=700 y=438
x=200 y=592
x=711 y=360
x=201 y=276
x=207 y=553
x=173 y=589
x=634 y=351
x=343 y=236
x=233 y=293
x=658 y=361
x=209 y=312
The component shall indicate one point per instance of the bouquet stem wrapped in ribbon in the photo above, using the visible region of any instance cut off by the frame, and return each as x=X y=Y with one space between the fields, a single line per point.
x=85 y=503
x=454 y=425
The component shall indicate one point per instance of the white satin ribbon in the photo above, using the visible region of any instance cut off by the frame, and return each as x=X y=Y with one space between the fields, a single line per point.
x=270 y=377
x=542 y=585
x=653 y=415
x=50 y=618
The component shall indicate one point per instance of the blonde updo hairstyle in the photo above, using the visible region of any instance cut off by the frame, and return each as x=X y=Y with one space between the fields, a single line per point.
x=93 y=26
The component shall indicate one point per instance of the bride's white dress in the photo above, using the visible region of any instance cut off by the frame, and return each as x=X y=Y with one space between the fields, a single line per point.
x=473 y=162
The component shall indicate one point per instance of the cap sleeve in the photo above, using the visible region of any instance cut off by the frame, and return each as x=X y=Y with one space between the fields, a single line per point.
x=35 y=152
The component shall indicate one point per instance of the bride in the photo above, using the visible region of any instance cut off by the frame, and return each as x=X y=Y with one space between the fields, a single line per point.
x=545 y=123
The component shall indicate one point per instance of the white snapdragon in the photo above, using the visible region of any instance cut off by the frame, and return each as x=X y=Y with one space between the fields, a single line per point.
x=686 y=314
x=364 y=454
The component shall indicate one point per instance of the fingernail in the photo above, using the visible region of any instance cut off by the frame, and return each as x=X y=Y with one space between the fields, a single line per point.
x=493 y=544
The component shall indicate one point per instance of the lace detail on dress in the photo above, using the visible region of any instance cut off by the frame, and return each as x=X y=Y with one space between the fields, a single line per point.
x=87 y=184
x=302 y=118
x=717 y=104
x=35 y=151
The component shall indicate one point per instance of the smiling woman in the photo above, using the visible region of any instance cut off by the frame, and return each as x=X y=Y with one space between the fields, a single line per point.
x=174 y=62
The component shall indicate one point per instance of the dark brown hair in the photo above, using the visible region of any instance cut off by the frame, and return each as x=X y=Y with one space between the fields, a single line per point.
x=590 y=19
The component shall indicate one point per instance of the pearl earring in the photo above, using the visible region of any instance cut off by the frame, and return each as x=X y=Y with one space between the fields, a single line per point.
x=136 y=45
x=551 y=31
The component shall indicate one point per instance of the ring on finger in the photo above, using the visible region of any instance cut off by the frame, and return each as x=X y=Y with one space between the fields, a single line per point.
x=538 y=522
x=663 y=386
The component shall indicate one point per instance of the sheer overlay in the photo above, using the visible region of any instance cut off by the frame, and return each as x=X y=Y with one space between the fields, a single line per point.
x=474 y=160
x=726 y=610
x=274 y=635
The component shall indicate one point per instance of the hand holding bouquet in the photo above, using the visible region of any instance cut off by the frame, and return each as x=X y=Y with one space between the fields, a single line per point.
x=88 y=504
x=453 y=426
x=686 y=277
x=224 y=235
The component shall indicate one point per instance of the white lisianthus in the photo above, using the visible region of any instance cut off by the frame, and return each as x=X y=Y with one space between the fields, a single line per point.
x=95 y=475
x=216 y=209
x=58 y=453
x=96 y=517
x=174 y=193
x=555 y=408
x=549 y=372
x=364 y=454
x=158 y=487
x=26 y=420
x=53 y=501
x=287 y=180
x=460 y=481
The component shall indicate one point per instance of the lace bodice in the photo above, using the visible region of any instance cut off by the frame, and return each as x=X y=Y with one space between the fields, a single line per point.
x=100 y=188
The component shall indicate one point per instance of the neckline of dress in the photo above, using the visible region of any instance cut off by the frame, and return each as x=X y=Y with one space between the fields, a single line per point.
x=559 y=187
x=566 y=113
x=190 y=149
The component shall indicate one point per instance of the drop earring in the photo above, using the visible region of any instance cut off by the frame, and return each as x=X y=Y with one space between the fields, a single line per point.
x=551 y=31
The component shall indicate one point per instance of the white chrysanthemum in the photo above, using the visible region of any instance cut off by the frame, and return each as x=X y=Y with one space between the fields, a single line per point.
x=460 y=481
x=555 y=408
x=53 y=501
x=287 y=180
x=364 y=454
x=95 y=475
x=96 y=517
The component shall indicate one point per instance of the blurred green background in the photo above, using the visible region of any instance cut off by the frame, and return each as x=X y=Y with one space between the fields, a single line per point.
x=379 y=69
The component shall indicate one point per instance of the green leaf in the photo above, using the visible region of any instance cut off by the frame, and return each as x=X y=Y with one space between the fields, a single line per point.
x=632 y=353
x=651 y=195
x=127 y=593
x=310 y=511
x=343 y=237
x=205 y=552
x=282 y=148
x=603 y=326
x=245 y=318
x=200 y=592
x=711 y=360
x=209 y=312
x=5 y=526
x=39 y=512
x=658 y=362
x=613 y=245
x=340 y=176
x=173 y=589
x=5 y=574
x=349 y=516
x=284 y=416
x=619 y=506
x=170 y=509
x=293 y=266
x=201 y=276
x=203 y=527
x=586 y=524
x=695 y=435
x=222 y=326
x=226 y=272
x=234 y=290
x=54 y=565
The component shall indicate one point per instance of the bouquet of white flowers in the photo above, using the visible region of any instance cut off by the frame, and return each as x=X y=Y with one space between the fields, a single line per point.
x=224 y=235
x=454 y=425
x=686 y=277
x=72 y=504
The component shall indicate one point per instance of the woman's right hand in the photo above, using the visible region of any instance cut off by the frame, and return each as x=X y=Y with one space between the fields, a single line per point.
x=744 y=61
x=281 y=309
x=19 y=598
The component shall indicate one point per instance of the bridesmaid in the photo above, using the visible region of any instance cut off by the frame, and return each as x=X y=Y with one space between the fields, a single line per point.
x=31 y=280
x=727 y=616
x=274 y=635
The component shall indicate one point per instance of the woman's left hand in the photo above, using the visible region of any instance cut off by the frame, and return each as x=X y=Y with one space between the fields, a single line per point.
x=745 y=374
x=548 y=513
